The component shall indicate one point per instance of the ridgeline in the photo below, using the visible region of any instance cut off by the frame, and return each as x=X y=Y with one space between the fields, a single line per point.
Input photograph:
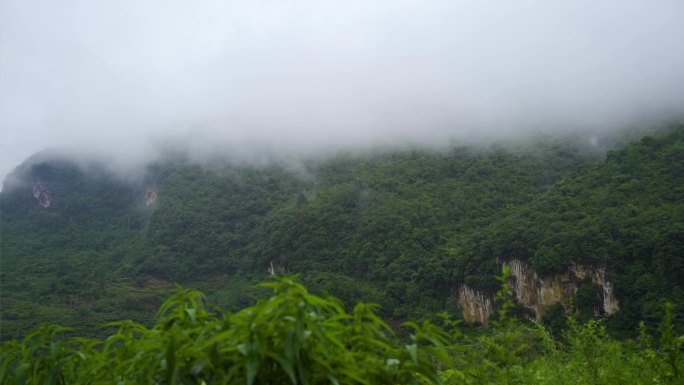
x=410 y=230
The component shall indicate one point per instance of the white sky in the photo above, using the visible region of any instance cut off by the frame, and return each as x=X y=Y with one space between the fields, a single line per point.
x=111 y=77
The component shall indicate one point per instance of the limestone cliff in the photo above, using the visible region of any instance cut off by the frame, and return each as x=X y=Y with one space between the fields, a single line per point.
x=42 y=194
x=477 y=306
x=540 y=293
x=598 y=277
x=151 y=194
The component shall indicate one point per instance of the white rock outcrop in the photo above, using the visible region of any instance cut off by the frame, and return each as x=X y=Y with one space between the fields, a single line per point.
x=151 y=195
x=477 y=306
x=539 y=293
x=42 y=194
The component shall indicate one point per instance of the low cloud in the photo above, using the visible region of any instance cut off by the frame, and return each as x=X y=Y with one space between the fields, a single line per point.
x=298 y=77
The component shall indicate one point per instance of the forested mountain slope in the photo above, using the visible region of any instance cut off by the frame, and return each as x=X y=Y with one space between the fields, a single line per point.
x=626 y=213
x=403 y=228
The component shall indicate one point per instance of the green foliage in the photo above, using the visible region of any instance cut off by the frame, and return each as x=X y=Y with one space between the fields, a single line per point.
x=293 y=337
x=515 y=352
x=625 y=213
x=402 y=228
x=587 y=299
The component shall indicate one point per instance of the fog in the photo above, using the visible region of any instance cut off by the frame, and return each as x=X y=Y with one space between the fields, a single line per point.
x=259 y=78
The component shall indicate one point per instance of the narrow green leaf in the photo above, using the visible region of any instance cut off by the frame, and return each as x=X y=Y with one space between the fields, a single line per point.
x=413 y=352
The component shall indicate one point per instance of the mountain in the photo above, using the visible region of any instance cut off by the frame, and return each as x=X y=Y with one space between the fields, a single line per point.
x=417 y=231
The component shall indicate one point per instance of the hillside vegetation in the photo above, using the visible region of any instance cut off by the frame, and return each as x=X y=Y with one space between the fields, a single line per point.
x=401 y=228
x=294 y=337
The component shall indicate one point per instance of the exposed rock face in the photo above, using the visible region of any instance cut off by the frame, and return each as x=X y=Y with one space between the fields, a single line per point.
x=477 y=306
x=598 y=277
x=536 y=293
x=539 y=293
x=151 y=195
x=610 y=303
x=42 y=194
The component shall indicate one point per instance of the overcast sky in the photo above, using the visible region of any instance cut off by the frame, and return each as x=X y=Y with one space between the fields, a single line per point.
x=305 y=75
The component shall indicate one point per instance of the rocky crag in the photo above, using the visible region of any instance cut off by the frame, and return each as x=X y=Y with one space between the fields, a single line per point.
x=540 y=293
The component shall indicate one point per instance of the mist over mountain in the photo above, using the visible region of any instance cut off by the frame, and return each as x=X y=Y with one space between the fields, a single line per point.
x=419 y=231
x=436 y=191
x=309 y=77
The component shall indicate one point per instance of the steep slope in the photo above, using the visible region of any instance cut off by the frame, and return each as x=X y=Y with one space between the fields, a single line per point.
x=65 y=232
x=625 y=213
x=405 y=229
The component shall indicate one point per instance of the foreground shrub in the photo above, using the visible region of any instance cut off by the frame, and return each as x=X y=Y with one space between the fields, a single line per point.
x=292 y=337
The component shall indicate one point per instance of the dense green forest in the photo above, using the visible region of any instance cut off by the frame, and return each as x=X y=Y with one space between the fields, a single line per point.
x=400 y=228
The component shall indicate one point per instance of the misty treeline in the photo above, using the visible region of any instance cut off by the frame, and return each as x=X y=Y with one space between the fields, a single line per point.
x=401 y=228
x=294 y=337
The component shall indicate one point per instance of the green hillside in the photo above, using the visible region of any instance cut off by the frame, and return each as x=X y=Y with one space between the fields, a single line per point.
x=401 y=228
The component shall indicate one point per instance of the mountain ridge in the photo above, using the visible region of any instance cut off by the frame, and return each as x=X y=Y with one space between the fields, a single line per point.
x=400 y=228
